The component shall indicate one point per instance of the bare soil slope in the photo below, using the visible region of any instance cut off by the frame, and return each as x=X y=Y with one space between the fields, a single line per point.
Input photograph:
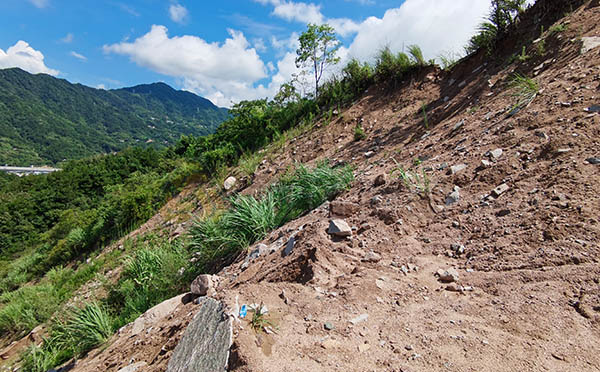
x=522 y=236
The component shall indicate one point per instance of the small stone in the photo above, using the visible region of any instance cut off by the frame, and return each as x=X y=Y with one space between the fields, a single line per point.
x=377 y=199
x=369 y=154
x=448 y=275
x=380 y=180
x=229 y=183
x=594 y=161
x=260 y=250
x=408 y=347
x=329 y=344
x=457 y=168
x=201 y=285
x=289 y=247
x=453 y=287
x=458 y=248
x=485 y=164
x=343 y=208
x=135 y=367
x=453 y=197
x=372 y=257
x=541 y=134
x=339 y=228
x=496 y=154
x=500 y=190
x=593 y=108
x=364 y=347
x=359 y=319
x=328 y=326
x=589 y=43
x=503 y=212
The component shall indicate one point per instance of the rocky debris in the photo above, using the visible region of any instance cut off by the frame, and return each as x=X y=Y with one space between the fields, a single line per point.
x=328 y=326
x=289 y=247
x=229 y=183
x=593 y=109
x=155 y=314
x=339 y=228
x=369 y=154
x=202 y=285
x=453 y=287
x=206 y=341
x=594 y=161
x=456 y=168
x=380 y=180
x=447 y=276
x=589 y=43
x=501 y=189
x=495 y=154
x=454 y=196
x=372 y=257
x=503 y=213
x=376 y=200
x=458 y=248
x=343 y=208
x=135 y=367
x=359 y=319
x=485 y=164
x=260 y=250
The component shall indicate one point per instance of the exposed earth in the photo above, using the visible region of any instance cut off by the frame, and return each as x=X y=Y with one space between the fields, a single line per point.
x=489 y=262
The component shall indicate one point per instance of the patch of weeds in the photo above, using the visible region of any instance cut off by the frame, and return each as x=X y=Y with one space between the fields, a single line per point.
x=412 y=180
x=259 y=319
x=218 y=238
x=523 y=57
x=473 y=109
x=359 y=132
x=556 y=29
x=449 y=60
x=524 y=90
x=249 y=162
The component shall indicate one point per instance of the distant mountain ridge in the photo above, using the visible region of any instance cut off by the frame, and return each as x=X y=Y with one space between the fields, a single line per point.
x=44 y=120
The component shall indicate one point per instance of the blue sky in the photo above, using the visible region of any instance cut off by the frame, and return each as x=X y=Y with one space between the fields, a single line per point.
x=226 y=51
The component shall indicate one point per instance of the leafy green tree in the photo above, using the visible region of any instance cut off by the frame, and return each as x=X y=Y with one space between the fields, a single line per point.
x=318 y=49
x=502 y=16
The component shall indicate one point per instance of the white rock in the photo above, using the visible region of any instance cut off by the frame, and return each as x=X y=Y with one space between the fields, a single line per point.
x=339 y=228
x=229 y=183
x=589 y=43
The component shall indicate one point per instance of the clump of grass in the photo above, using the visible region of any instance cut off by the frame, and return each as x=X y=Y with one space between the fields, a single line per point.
x=562 y=27
x=417 y=55
x=259 y=320
x=523 y=57
x=413 y=180
x=524 y=89
x=221 y=236
x=359 y=133
x=249 y=162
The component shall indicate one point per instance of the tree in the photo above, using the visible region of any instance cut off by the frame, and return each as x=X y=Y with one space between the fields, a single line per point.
x=318 y=49
x=502 y=16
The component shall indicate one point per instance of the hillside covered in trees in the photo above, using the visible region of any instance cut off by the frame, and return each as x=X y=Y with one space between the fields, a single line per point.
x=44 y=120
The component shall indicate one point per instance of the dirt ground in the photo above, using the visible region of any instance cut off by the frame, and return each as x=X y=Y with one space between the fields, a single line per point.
x=527 y=296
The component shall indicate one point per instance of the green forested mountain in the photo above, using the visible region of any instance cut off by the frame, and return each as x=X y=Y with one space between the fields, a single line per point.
x=44 y=120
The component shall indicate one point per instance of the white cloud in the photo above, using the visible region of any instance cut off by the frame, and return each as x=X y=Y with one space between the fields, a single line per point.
x=178 y=13
x=25 y=57
x=101 y=86
x=309 y=13
x=78 y=56
x=39 y=3
x=222 y=71
x=68 y=38
x=434 y=25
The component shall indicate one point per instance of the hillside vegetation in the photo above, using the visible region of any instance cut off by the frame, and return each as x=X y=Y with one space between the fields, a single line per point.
x=44 y=120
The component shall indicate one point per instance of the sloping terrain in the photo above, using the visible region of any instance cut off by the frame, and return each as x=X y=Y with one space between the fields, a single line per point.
x=47 y=120
x=475 y=228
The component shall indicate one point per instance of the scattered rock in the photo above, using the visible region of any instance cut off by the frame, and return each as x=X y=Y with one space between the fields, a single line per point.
x=500 y=190
x=503 y=212
x=260 y=250
x=343 y=208
x=593 y=109
x=372 y=257
x=448 y=275
x=339 y=228
x=229 y=183
x=329 y=344
x=202 y=285
x=377 y=199
x=458 y=248
x=589 y=43
x=454 y=196
x=139 y=366
x=495 y=154
x=206 y=341
x=155 y=314
x=456 y=168
x=289 y=247
x=328 y=326
x=380 y=180
x=594 y=161
x=364 y=347
x=369 y=154
x=359 y=319
x=453 y=287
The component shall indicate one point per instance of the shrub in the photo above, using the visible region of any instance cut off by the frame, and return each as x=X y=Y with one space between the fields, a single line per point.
x=359 y=132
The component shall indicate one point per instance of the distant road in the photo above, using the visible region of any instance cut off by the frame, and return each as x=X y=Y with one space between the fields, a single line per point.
x=28 y=170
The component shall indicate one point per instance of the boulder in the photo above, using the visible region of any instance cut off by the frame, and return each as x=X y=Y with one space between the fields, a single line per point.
x=589 y=43
x=339 y=228
x=206 y=341
x=202 y=285
x=448 y=275
x=229 y=183
x=153 y=315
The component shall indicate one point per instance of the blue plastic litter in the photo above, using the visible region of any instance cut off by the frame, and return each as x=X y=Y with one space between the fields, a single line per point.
x=243 y=311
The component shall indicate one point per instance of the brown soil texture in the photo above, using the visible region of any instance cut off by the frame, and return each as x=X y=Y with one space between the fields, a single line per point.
x=527 y=296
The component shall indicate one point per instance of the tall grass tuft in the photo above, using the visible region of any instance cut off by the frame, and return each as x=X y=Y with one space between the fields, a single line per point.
x=525 y=90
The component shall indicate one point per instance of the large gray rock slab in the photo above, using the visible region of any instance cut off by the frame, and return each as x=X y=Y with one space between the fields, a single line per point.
x=205 y=344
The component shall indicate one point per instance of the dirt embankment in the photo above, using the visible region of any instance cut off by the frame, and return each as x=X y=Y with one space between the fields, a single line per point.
x=509 y=201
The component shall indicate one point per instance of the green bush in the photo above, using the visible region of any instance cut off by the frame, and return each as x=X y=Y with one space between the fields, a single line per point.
x=500 y=19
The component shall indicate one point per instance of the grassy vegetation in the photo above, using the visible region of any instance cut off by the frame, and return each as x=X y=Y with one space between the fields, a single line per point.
x=524 y=90
x=359 y=132
x=221 y=236
x=414 y=181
